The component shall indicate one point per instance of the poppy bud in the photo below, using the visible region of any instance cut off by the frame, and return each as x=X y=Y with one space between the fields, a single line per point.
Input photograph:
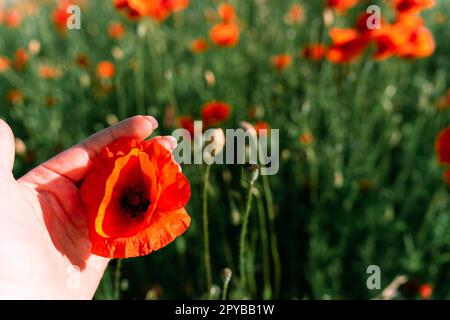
x=226 y=275
x=251 y=172
x=215 y=147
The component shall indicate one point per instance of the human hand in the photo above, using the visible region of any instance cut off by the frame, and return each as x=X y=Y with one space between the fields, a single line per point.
x=44 y=241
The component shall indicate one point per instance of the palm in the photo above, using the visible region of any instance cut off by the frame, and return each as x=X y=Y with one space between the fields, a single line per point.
x=44 y=242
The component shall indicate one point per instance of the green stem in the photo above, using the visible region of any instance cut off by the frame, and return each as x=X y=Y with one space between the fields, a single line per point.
x=207 y=256
x=225 y=289
x=246 y=216
x=273 y=236
x=117 y=273
x=267 y=294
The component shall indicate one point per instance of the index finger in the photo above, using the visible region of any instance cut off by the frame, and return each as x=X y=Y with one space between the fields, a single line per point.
x=74 y=163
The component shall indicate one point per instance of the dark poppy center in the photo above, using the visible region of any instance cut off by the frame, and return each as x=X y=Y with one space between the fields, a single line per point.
x=133 y=201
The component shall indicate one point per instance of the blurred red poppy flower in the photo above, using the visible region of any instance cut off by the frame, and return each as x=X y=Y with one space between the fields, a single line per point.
x=156 y=9
x=412 y=6
x=60 y=16
x=82 y=60
x=116 y=30
x=122 y=5
x=387 y=41
x=20 y=58
x=314 y=52
x=446 y=177
x=177 y=5
x=419 y=43
x=14 y=96
x=4 y=64
x=226 y=12
x=407 y=37
x=187 y=122
x=444 y=102
x=442 y=145
x=261 y=125
x=105 y=70
x=281 y=61
x=306 y=138
x=48 y=72
x=295 y=14
x=347 y=45
x=135 y=196
x=199 y=45
x=213 y=113
x=425 y=291
x=341 y=5
x=12 y=18
x=225 y=34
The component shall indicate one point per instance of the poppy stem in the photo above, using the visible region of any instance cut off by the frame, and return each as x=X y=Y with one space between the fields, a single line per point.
x=245 y=218
x=206 y=253
x=226 y=283
x=117 y=274
x=273 y=236
x=267 y=293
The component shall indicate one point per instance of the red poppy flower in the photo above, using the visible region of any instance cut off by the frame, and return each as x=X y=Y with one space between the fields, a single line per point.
x=348 y=45
x=281 y=61
x=60 y=16
x=226 y=12
x=420 y=44
x=4 y=64
x=306 y=138
x=261 y=125
x=425 y=291
x=177 y=5
x=314 y=52
x=412 y=6
x=116 y=30
x=199 y=45
x=442 y=104
x=187 y=123
x=406 y=38
x=341 y=5
x=20 y=58
x=156 y=9
x=82 y=60
x=225 y=34
x=446 y=177
x=442 y=145
x=123 y=5
x=14 y=96
x=295 y=14
x=150 y=8
x=105 y=70
x=215 y=112
x=135 y=196
x=12 y=18
x=48 y=72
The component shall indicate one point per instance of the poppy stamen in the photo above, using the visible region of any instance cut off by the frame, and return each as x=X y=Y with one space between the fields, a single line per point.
x=133 y=201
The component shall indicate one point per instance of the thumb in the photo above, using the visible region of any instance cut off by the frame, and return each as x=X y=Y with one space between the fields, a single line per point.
x=7 y=147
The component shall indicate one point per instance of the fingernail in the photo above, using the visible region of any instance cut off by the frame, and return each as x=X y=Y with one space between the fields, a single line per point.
x=173 y=142
x=153 y=121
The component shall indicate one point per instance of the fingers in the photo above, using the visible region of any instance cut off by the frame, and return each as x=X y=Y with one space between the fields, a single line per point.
x=168 y=142
x=7 y=147
x=75 y=162
x=139 y=127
